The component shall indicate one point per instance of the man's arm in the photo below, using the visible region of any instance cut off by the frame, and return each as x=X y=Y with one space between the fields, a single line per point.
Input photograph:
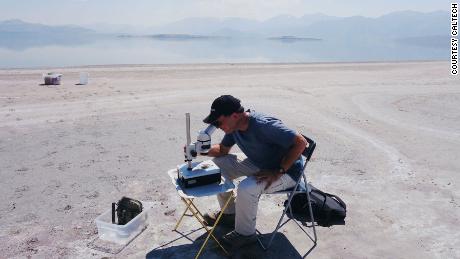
x=269 y=176
x=300 y=143
x=218 y=150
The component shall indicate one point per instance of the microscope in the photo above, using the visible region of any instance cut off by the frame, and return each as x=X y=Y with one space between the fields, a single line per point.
x=193 y=174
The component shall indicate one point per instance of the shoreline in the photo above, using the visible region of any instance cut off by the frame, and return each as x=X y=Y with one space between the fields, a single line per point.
x=223 y=64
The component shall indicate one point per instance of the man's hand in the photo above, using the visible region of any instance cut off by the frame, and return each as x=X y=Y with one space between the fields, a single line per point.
x=217 y=150
x=268 y=176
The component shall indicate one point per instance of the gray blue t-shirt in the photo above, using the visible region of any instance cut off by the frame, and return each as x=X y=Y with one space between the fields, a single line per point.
x=265 y=142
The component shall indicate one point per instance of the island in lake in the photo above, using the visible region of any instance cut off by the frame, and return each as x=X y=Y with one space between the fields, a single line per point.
x=293 y=39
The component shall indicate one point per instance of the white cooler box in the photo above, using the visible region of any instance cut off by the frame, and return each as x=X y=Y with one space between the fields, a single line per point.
x=52 y=78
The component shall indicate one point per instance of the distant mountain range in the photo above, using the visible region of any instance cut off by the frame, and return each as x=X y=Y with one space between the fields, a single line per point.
x=396 y=25
x=240 y=27
x=18 y=26
x=393 y=25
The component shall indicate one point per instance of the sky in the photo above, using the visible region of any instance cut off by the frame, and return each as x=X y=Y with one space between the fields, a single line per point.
x=153 y=12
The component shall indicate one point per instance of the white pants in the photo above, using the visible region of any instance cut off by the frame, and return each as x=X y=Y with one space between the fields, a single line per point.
x=248 y=191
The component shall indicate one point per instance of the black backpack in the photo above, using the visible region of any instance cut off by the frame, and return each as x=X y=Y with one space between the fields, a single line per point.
x=126 y=210
x=328 y=209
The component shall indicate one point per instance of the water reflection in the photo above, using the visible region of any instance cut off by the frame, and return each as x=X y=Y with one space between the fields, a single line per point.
x=22 y=41
x=22 y=51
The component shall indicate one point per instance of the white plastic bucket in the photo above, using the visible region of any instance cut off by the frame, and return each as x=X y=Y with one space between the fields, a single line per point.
x=84 y=78
x=122 y=234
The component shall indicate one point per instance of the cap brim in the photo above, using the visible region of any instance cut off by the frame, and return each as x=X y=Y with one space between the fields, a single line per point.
x=210 y=119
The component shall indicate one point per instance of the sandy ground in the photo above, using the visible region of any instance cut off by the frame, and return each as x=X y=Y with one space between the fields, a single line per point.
x=388 y=139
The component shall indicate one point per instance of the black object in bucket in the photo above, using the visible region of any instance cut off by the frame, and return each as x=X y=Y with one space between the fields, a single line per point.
x=126 y=210
x=328 y=209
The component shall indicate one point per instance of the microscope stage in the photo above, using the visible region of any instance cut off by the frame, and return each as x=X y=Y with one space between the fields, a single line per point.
x=202 y=173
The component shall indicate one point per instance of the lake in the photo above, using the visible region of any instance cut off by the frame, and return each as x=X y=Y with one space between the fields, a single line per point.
x=105 y=50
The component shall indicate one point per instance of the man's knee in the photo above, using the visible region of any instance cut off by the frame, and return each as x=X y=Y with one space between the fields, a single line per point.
x=223 y=161
x=248 y=186
x=227 y=165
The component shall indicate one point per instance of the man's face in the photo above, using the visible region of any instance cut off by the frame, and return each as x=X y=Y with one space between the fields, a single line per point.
x=227 y=123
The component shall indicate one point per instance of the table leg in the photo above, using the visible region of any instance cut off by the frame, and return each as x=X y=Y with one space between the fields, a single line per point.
x=185 y=211
x=213 y=228
x=195 y=212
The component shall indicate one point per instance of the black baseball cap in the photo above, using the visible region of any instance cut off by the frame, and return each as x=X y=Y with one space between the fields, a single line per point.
x=223 y=105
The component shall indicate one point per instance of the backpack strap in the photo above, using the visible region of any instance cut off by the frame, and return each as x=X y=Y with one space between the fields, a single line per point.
x=340 y=201
x=325 y=194
x=326 y=214
x=322 y=194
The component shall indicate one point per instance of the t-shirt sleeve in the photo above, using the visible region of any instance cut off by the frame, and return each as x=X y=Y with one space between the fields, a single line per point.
x=278 y=133
x=228 y=140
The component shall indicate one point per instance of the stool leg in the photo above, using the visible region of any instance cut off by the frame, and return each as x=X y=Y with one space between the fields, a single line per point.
x=190 y=206
x=195 y=214
x=214 y=227
x=276 y=229
x=199 y=213
x=187 y=203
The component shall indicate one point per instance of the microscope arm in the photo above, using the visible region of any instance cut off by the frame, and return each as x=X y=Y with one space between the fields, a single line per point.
x=201 y=146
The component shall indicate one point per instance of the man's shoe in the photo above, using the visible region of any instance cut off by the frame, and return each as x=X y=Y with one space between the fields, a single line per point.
x=235 y=240
x=227 y=220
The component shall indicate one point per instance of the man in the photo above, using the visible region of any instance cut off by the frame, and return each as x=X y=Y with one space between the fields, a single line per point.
x=271 y=162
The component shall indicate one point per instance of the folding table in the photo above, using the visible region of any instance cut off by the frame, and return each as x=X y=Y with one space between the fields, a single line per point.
x=189 y=194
